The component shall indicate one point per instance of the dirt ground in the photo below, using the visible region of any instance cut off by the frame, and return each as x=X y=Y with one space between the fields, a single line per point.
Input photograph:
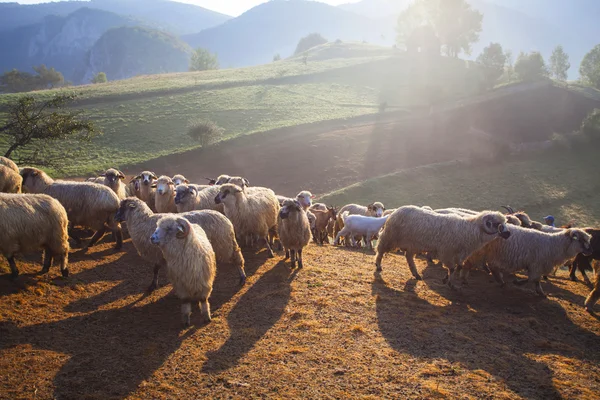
x=332 y=330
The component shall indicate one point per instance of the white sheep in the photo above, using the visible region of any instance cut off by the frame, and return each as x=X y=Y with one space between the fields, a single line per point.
x=293 y=229
x=33 y=222
x=7 y=162
x=375 y=209
x=10 y=181
x=90 y=205
x=190 y=197
x=451 y=237
x=146 y=192
x=359 y=225
x=113 y=178
x=164 y=199
x=179 y=179
x=191 y=264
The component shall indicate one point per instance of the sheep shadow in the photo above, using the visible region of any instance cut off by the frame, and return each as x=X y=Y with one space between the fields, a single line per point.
x=252 y=316
x=110 y=352
x=484 y=328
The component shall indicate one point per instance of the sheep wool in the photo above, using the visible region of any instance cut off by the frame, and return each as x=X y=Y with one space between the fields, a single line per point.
x=293 y=229
x=10 y=181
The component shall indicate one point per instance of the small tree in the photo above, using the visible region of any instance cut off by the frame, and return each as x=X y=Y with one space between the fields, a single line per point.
x=590 y=68
x=509 y=69
x=100 y=77
x=531 y=67
x=33 y=128
x=308 y=42
x=590 y=126
x=276 y=57
x=204 y=132
x=493 y=59
x=49 y=77
x=203 y=60
x=559 y=64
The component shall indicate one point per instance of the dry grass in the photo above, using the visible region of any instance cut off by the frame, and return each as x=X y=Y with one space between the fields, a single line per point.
x=331 y=330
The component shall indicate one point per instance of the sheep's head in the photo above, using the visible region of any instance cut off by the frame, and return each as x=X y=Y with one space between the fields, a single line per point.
x=376 y=209
x=511 y=219
x=31 y=179
x=179 y=179
x=238 y=180
x=164 y=185
x=225 y=191
x=332 y=210
x=113 y=175
x=524 y=218
x=494 y=223
x=170 y=228
x=146 y=177
x=290 y=206
x=126 y=206
x=183 y=193
x=305 y=198
x=222 y=179
x=580 y=241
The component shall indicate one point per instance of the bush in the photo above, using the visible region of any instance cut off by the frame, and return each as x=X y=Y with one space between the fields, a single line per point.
x=531 y=67
x=590 y=127
x=204 y=132
x=100 y=77
x=308 y=42
x=276 y=57
x=203 y=60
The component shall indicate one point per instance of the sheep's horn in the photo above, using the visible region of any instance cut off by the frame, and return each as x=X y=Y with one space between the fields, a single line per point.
x=211 y=181
x=509 y=209
x=183 y=229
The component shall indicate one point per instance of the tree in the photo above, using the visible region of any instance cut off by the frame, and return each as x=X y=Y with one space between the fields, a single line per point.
x=559 y=64
x=49 y=77
x=33 y=128
x=590 y=68
x=455 y=23
x=17 y=81
x=493 y=59
x=203 y=60
x=308 y=42
x=508 y=65
x=531 y=67
x=204 y=132
x=276 y=57
x=100 y=77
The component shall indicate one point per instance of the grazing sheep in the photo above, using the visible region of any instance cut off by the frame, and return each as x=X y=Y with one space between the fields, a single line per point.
x=323 y=220
x=595 y=293
x=32 y=222
x=141 y=222
x=359 y=225
x=190 y=197
x=451 y=237
x=583 y=262
x=88 y=204
x=190 y=261
x=7 y=162
x=252 y=215
x=164 y=200
x=179 y=179
x=293 y=229
x=10 y=181
x=113 y=178
x=534 y=251
x=372 y=210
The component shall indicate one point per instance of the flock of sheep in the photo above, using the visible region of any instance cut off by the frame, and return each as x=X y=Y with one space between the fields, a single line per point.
x=190 y=228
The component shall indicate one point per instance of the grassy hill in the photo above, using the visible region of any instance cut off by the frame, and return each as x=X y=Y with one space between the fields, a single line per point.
x=146 y=117
x=563 y=184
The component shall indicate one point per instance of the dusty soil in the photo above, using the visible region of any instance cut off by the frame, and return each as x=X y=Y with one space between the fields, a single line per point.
x=332 y=330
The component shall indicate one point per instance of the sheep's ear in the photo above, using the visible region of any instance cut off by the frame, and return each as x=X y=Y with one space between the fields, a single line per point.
x=246 y=182
x=121 y=175
x=312 y=196
x=102 y=175
x=370 y=207
x=193 y=189
x=183 y=228
x=153 y=185
x=153 y=175
x=186 y=181
x=297 y=204
x=135 y=178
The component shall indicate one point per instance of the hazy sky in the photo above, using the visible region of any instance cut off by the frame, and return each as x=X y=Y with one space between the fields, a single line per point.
x=230 y=7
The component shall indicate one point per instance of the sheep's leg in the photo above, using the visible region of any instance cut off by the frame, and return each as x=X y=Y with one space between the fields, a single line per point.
x=186 y=312
x=368 y=240
x=47 y=261
x=205 y=307
x=14 y=271
x=572 y=268
x=64 y=270
x=582 y=266
x=118 y=234
x=429 y=258
x=154 y=284
x=538 y=288
x=300 y=266
x=497 y=276
x=238 y=260
x=293 y=254
x=449 y=271
x=593 y=296
x=75 y=238
x=287 y=254
x=269 y=250
x=410 y=259
x=353 y=241
x=97 y=236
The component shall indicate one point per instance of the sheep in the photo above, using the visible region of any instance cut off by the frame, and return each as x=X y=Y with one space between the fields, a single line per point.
x=95 y=179
x=457 y=211
x=88 y=204
x=318 y=207
x=113 y=179
x=190 y=260
x=141 y=222
x=221 y=179
x=189 y=197
x=10 y=181
x=294 y=230
x=372 y=210
x=31 y=222
x=322 y=222
x=389 y=211
x=534 y=251
x=164 y=200
x=251 y=215
x=451 y=237
x=133 y=188
x=583 y=262
x=146 y=179
x=359 y=225
x=179 y=179
x=7 y=162
x=595 y=293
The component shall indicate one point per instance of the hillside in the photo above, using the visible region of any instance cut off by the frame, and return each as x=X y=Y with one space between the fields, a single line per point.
x=276 y=27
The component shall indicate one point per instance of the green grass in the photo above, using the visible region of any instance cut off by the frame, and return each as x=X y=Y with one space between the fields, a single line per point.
x=562 y=184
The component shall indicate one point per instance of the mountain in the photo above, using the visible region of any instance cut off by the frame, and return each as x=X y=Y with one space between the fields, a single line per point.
x=276 y=27
x=129 y=51
x=59 y=42
x=178 y=18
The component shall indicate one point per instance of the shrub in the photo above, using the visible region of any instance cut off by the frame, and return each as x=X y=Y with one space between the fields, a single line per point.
x=590 y=126
x=100 y=77
x=204 y=132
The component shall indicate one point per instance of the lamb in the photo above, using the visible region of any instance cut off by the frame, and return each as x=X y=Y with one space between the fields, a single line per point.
x=372 y=210
x=179 y=179
x=190 y=260
x=451 y=237
x=32 y=222
x=113 y=179
x=10 y=181
x=141 y=222
x=88 y=204
x=322 y=222
x=196 y=197
x=294 y=230
x=7 y=162
x=251 y=215
x=359 y=225
x=164 y=200
x=534 y=251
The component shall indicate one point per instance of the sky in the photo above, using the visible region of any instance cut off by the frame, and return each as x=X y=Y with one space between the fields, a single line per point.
x=229 y=7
